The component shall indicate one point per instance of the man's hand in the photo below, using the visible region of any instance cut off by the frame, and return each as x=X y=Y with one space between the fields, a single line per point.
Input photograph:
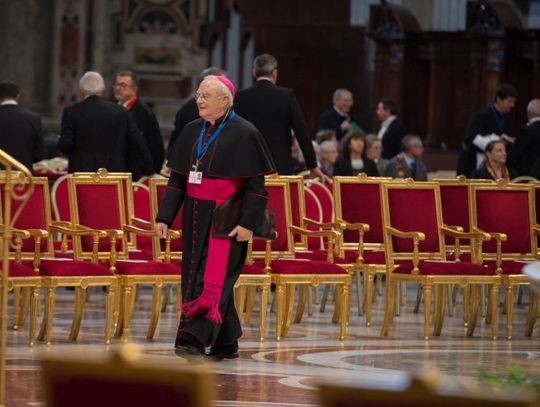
x=242 y=234
x=161 y=229
x=317 y=173
x=345 y=125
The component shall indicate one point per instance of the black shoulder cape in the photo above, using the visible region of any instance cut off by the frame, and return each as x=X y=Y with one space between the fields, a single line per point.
x=240 y=151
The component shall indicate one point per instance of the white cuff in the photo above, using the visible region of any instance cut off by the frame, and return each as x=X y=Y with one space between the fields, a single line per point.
x=482 y=141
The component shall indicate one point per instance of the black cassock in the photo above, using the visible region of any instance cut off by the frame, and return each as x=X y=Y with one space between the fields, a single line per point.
x=237 y=159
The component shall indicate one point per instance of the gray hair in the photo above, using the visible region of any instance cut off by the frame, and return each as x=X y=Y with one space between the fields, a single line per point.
x=408 y=141
x=328 y=144
x=91 y=83
x=212 y=70
x=534 y=108
x=221 y=88
x=264 y=65
x=339 y=92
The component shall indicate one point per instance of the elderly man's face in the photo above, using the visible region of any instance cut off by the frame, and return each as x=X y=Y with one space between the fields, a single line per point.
x=211 y=104
x=344 y=102
x=329 y=154
x=124 y=89
x=416 y=149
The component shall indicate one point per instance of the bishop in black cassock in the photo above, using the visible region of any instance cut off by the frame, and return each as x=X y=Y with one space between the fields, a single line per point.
x=213 y=158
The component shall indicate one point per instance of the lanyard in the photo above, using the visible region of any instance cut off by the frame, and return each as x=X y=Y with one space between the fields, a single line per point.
x=201 y=150
x=499 y=119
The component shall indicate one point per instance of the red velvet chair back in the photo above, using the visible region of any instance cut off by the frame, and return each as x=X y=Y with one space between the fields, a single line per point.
x=505 y=208
x=358 y=200
x=298 y=207
x=414 y=207
x=35 y=214
x=60 y=198
x=98 y=203
x=279 y=204
x=141 y=209
x=455 y=206
x=158 y=186
x=325 y=198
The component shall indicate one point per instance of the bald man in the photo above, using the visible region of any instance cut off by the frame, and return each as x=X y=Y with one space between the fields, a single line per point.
x=526 y=150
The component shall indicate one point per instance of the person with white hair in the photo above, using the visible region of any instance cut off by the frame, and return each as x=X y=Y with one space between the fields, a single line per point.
x=99 y=134
x=217 y=162
x=339 y=118
x=526 y=150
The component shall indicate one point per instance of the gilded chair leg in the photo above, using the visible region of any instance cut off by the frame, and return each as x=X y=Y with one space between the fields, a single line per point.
x=156 y=308
x=509 y=310
x=118 y=309
x=378 y=286
x=482 y=300
x=337 y=308
x=474 y=305
x=16 y=307
x=344 y=314
x=167 y=297
x=369 y=296
x=418 y=300
x=25 y=300
x=263 y=307
x=250 y=302
x=493 y=309
x=279 y=303
x=466 y=303
x=178 y=303
x=240 y=300
x=397 y=300
x=519 y=299
x=389 y=306
x=289 y=305
x=127 y=299
x=49 y=311
x=325 y=297
x=310 y=300
x=359 y=296
x=403 y=296
x=533 y=309
x=110 y=302
x=80 y=298
x=449 y=297
x=440 y=294
x=302 y=296
x=427 y=309
x=317 y=296
x=34 y=306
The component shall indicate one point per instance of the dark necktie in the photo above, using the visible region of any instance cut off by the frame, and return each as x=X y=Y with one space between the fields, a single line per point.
x=413 y=169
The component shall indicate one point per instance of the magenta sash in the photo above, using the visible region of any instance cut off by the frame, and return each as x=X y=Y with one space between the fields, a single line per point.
x=217 y=190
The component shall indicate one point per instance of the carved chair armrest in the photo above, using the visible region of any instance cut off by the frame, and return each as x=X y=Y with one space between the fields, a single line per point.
x=475 y=237
x=362 y=229
x=536 y=229
x=416 y=238
x=141 y=223
x=499 y=239
x=331 y=235
x=80 y=230
x=17 y=242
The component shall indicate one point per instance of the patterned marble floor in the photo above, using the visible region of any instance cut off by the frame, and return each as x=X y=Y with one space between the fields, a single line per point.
x=286 y=373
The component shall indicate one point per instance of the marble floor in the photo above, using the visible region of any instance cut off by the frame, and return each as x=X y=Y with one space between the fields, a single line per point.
x=286 y=373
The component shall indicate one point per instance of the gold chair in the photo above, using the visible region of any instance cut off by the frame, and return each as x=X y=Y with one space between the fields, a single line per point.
x=414 y=239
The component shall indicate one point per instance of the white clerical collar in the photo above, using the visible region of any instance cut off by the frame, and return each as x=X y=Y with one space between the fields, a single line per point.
x=342 y=114
x=9 y=102
x=264 y=78
x=387 y=121
x=534 y=119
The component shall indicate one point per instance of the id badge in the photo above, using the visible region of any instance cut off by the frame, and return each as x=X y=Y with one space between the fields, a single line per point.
x=195 y=177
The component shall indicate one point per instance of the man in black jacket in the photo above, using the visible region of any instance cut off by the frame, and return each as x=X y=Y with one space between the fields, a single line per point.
x=487 y=125
x=392 y=131
x=20 y=131
x=275 y=111
x=100 y=134
x=126 y=92
x=526 y=149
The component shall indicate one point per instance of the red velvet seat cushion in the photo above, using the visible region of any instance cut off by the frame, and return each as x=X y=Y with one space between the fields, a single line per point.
x=320 y=255
x=252 y=269
x=374 y=257
x=143 y=267
x=21 y=270
x=144 y=254
x=64 y=267
x=304 y=266
x=508 y=266
x=429 y=267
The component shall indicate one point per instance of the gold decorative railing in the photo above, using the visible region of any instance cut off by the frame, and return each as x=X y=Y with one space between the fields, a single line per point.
x=17 y=186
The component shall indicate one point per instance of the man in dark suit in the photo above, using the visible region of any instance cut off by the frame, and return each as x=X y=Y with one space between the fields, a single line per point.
x=338 y=117
x=126 y=92
x=275 y=112
x=526 y=149
x=486 y=125
x=392 y=130
x=100 y=134
x=189 y=111
x=408 y=164
x=20 y=131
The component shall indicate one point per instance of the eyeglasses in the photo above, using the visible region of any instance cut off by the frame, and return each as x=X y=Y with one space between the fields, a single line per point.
x=203 y=96
x=121 y=86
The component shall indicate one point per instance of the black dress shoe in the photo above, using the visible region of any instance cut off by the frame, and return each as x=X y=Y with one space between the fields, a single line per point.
x=220 y=352
x=189 y=351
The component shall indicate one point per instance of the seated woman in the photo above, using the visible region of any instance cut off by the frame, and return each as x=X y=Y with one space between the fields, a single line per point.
x=374 y=153
x=494 y=165
x=351 y=160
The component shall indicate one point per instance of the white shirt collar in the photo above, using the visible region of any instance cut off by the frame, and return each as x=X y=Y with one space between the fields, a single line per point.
x=408 y=160
x=342 y=114
x=384 y=125
x=9 y=102
x=264 y=78
x=534 y=119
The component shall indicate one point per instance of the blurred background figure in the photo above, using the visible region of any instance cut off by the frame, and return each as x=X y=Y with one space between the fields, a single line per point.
x=338 y=118
x=494 y=164
x=526 y=150
x=20 y=131
x=408 y=163
x=392 y=130
x=374 y=153
x=329 y=155
x=351 y=159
